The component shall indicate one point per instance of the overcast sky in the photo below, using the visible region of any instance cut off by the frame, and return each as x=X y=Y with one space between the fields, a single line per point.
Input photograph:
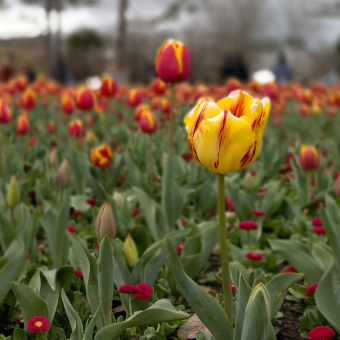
x=17 y=19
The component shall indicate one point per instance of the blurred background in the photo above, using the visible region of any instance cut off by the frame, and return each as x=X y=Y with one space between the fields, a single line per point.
x=70 y=40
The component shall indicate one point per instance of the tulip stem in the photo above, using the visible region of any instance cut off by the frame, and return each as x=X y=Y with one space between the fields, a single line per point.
x=151 y=165
x=224 y=253
x=172 y=118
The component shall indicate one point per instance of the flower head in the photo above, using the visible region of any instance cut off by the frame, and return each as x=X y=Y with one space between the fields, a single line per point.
x=317 y=222
x=71 y=229
x=254 y=256
x=143 y=292
x=67 y=104
x=102 y=157
x=309 y=158
x=248 y=225
x=227 y=136
x=310 y=290
x=109 y=87
x=259 y=213
x=76 y=129
x=79 y=273
x=319 y=231
x=38 y=324
x=23 y=125
x=85 y=99
x=321 y=333
x=173 y=62
x=148 y=122
x=289 y=269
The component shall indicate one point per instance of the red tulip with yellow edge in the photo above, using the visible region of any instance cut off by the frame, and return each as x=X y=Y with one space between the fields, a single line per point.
x=67 y=104
x=21 y=84
x=85 y=99
x=76 y=129
x=139 y=110
x=148 y=122
x=158 y=86
x=5 y=113
x=109 y=88
x=102 y=156
x=134 y=98
x=227 y=136
x=165 y=106
x=23 y=126
x=173 y=62
x=309 y=158
x=29 y=100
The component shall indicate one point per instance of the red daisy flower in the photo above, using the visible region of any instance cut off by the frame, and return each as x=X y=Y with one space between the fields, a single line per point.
x=310 y=290
x=38 y=324
x=321 y=333
x=248 y=225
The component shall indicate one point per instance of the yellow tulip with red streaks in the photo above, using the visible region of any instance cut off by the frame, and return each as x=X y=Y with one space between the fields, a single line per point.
x=227 y=136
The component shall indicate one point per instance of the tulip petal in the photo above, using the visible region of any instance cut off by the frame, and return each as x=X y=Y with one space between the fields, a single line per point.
x=224 y=143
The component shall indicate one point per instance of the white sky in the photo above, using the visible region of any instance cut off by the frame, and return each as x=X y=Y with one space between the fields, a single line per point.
x=18 y=20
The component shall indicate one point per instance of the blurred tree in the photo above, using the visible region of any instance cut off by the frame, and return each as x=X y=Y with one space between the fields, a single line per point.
x=85 y=53
x=53 y=58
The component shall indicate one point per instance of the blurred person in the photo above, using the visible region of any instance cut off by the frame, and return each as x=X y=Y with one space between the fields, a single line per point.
x=63 y=74
x=235 y=67
x=7 y=69
x=29 y=73
x=283 y=72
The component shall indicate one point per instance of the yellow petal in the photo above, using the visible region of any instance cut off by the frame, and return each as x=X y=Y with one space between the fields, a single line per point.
x=241 y=104
x=203 y=110
x=224 y=143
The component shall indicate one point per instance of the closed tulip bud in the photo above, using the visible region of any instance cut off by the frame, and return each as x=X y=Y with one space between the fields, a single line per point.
x=67 y=104
x=23 y=126
x=139 y=110
x=173 y=62
x=134 y=98
x=53 y=157
x=85 y=100
x=102 y=157
x=29 y=100
x=309 y=158
x=91 y=138
x=227 y=136
x=130 y=252
x=148 y=122
x=21 y=84
x=119 y=200
x=165 y=106
x=109 y=88
x=5 y=113
x=248 y=182
x=13 y=193
x=51 y=127
x=76 y=129
x=158 y=86
x=64 y=174
x=105 y=223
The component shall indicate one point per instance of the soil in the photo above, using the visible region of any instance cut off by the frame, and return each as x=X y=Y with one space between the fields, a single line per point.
x=289 y=324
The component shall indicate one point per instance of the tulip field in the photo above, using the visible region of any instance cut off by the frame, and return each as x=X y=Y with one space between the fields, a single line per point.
x=170 y=210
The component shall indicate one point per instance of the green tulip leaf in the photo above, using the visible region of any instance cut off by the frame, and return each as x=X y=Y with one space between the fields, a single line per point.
x=204 y=305
x=161 y=311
